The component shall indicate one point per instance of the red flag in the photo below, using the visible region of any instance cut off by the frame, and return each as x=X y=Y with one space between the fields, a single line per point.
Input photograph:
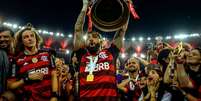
x=89 y=20
x=132 y=10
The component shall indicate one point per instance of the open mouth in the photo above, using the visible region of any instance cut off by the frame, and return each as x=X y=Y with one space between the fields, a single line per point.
x=142 y=84
x=150 y=78
x=92 y=44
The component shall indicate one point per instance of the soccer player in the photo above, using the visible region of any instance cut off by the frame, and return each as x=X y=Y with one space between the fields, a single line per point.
x=97 y=70
x=6 y=60
x=36 y=75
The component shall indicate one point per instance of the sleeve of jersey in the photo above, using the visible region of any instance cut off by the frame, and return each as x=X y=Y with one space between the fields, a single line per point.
x=114 y=50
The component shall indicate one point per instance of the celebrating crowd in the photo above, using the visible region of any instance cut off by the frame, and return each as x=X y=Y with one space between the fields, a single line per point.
x=31 y=73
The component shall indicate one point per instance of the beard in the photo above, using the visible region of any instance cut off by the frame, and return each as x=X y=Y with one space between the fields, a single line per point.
x=93 y=49
x=4 y=44
x=132 y=69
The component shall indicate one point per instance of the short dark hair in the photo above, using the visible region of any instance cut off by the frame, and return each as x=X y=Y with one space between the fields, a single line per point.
x=94 y=32
x=163 y=54
x=3 y=29
x=155 y=67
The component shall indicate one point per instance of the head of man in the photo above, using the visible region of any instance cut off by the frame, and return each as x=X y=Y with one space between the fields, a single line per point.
x=93 y=42
x=27 y=38
x=5 y=38
x=154 y=73
x=132 y=65
x=194 y=57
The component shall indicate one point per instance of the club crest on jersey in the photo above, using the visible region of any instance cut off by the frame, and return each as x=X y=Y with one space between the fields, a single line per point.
x=102 y=55
x=44 y=58
x=26 y=63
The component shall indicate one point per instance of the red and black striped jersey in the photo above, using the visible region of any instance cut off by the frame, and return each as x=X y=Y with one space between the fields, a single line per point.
x=103 y=87
x=133 y=91
x=40 y=62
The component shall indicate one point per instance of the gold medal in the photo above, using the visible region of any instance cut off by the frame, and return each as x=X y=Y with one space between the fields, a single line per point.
x=34 y=60
x=90 y=77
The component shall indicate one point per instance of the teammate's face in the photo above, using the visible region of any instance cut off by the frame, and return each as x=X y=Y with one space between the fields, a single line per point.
x=132 y=65
x=143 y=82
x=29 y=38
x=153 y=75
x=5 y=39
x=194 y=57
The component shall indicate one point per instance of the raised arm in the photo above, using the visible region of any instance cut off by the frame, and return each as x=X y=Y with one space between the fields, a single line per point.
x=183 y=77
x=78 y=30
x=118 y=38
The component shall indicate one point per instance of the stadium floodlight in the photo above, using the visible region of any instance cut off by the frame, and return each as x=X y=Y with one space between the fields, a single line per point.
x=9 y=24
x=194 y=34
x=58 y=34
x=168 y=37
x=39 y=31
x=15 y=26
x=67 y=51
x=5 y=24
x=159 y=38
x=149 y=38
x=133 y=39
x=19 y=27
x=62 y=35
x=141 y=38
x=51 y=33
x=45 y=32
x=181 y=36
x=70 y=35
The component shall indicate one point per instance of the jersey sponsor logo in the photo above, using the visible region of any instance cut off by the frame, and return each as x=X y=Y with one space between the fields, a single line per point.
x=40 y=70
x=44 y=58
x=99 y=67
x=102 y=55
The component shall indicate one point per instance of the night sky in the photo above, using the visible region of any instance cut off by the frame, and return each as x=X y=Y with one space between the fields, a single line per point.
x=158 y=17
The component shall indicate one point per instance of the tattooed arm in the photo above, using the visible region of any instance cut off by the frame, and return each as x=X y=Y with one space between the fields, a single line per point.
x=118 y=38
x=78 y=31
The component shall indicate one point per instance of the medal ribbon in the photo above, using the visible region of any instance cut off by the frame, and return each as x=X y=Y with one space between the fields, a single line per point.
x=89 y=19
x=132 y=10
